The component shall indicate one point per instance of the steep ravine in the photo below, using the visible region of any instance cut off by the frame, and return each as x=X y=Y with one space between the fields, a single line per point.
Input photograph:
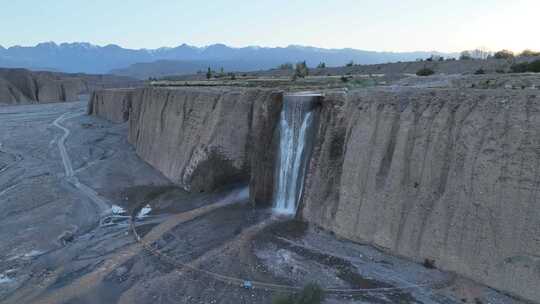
x=449 y=175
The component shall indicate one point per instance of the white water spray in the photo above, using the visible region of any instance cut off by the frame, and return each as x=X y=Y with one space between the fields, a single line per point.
x=295 y=133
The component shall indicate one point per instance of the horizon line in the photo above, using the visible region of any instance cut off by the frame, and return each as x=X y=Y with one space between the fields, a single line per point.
x=221 y=43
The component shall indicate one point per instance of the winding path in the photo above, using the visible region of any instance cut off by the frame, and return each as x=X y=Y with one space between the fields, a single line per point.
x=103 y=207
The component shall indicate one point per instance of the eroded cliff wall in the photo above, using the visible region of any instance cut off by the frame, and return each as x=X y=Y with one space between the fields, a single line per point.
x=448 y=175
x=113 y=104
x=19 y=86
x=200 y=138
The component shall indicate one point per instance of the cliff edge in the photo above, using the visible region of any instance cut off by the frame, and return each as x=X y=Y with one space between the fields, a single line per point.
x=447 y=175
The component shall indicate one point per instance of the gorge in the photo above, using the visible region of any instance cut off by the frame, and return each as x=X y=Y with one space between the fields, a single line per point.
x=429 y=174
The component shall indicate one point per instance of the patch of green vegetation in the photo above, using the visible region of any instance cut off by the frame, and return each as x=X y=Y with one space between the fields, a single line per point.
x=425 y=72
x=529 y=53
x=465 y=55
x=526 y=67
x=310 y=294
x=301 y=70
x=480 y=71
x=504 y=54
x=286 y=66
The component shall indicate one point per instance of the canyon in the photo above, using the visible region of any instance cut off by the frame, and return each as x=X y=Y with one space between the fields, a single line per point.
x=443 y=172
x=20 y=86
x=379 y=190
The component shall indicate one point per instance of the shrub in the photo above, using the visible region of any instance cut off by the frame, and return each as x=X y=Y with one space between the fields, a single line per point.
x=344 y=78
x=310 y=294
x=534 y=66
x=283 y=299
x=480 y=71
x=519 y=67
x=526 y=67
x=350 y=64
x=504 y=54
x=529 y=53
x=425 y=72
x=301 y=69
x=286 y=66
x=209 y=73
x=465 y=55
x=429 y=264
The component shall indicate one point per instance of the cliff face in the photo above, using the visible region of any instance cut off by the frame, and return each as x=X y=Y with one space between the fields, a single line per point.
x=22 y=86
x=113 y=105
x=450 y=175
x=446 y=175
x=199 y=138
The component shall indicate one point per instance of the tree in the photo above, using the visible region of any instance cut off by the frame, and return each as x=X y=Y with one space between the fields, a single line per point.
x=480 y=53
x=350 y=64
x=504 y=54
x=301 y=69
x=465 y=55
x=209 y=73
x=529 y=53
x=286 y=66
x=321 y=65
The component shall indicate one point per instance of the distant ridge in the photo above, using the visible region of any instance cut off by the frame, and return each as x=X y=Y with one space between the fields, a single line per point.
x=88 y=58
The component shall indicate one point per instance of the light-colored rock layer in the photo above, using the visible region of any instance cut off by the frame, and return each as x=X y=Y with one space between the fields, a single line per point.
x=113 y=104
x=22 y=86
x=448 y=175
x=200 y=138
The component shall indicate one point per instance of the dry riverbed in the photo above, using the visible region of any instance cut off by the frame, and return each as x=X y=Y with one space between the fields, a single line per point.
x=75 y=198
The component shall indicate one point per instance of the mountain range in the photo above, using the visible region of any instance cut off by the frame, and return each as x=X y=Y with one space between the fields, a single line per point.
x=184 y=59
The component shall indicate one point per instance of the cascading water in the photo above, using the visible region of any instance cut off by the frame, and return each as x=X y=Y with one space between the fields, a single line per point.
x=295 y=145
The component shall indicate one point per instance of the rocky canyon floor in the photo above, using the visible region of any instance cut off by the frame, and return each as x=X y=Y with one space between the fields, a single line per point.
x=84 y=220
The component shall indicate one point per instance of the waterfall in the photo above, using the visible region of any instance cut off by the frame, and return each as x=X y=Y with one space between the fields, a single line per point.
x=295 y=145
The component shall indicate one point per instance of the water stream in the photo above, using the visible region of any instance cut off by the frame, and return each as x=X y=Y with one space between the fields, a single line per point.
x=296 y=142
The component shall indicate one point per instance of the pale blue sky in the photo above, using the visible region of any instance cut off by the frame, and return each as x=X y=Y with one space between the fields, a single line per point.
x=385 y=25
